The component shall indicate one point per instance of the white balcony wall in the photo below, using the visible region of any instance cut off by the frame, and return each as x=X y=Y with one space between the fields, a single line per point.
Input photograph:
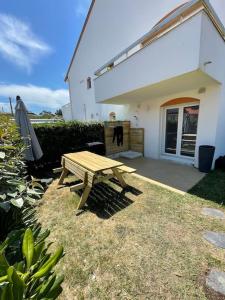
x=212 y=62
x=212 y=58
x=174 y=54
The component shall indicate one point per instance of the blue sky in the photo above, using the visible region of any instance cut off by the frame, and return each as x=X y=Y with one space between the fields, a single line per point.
x=37 y=40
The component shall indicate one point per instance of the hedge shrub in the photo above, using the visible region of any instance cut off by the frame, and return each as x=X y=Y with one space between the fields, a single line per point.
x=64 y=137
x=17 y=190
x=26 y=266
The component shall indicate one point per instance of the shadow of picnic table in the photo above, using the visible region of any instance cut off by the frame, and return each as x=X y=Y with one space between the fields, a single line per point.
x=105 y=201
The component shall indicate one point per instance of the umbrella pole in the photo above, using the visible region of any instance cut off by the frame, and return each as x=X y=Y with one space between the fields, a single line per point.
x=11 y=108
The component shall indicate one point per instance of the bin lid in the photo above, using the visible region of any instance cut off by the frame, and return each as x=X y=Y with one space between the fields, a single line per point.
x=207 y=146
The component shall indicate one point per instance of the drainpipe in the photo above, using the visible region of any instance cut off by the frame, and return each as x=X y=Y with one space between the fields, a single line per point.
x=85 y=112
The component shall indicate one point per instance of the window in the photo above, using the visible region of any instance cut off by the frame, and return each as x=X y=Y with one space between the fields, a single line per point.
x=89 y=83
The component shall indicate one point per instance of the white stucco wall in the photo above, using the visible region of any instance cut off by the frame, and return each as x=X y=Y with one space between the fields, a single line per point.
x=213 y=50
x=67 y=113
x=219 y=7
x=150 y=116
x=174 y=54
x=220 y=134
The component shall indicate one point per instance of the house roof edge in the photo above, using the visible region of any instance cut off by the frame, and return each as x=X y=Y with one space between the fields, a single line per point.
x=80 y=38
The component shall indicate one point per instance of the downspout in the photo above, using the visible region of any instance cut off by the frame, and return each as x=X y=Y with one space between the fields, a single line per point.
x=71 y=105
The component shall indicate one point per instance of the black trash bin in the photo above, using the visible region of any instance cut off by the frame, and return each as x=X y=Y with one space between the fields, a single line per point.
x=205 y=158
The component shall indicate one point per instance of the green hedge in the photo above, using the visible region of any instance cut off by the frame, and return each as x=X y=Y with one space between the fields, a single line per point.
x=64 y=137
x=16 y=193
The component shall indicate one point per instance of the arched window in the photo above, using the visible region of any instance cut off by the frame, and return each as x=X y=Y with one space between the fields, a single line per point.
x=89 y=83
x=178 y=101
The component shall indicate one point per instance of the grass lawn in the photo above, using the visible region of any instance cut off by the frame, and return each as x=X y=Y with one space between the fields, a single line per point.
x=145 y=243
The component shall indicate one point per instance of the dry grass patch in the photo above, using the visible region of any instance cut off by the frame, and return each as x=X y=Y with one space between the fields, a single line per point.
x=150 y=248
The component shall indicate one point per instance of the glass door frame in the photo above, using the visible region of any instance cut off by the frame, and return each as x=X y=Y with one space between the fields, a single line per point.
x=180 y=108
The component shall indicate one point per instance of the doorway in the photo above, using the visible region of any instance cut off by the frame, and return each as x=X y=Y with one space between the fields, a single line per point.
x=180 y=130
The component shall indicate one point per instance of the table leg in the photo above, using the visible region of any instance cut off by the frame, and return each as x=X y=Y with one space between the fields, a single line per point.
x=119 y=177
x=63 y=175
x=84 y=197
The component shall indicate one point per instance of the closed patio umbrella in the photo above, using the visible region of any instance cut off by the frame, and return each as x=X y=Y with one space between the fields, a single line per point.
x=33 y=149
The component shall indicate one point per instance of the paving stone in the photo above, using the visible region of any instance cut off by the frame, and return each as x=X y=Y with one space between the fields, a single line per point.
x=216 y=281
x=215 y=238
x=212 y=212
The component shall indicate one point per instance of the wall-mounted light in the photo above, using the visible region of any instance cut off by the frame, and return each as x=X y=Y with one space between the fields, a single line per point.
x=136 y=121
x=207 y=63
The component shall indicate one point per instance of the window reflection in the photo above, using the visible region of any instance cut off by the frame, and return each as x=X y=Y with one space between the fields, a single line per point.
x=171 y=130
x=189 y=130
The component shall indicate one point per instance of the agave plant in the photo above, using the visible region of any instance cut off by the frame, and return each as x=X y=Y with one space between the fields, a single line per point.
x=32 y=277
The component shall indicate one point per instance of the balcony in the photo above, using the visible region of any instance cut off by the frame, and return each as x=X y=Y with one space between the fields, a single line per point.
x=173 y=61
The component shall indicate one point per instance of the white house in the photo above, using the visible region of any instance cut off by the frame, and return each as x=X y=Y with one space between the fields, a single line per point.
x=159 y=64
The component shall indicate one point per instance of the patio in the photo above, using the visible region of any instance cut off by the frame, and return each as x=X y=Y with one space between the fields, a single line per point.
x=173 y=176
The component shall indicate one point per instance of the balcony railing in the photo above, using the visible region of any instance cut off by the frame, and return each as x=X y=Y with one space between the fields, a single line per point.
x=175 y=19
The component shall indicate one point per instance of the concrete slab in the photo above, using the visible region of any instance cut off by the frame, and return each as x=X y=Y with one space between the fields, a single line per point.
x=130 y=154
x=215 y=238
x=166 y=173
x=212 y=212
x=216 y=281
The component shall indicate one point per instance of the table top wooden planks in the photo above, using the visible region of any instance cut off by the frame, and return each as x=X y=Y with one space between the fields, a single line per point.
x=93 y=162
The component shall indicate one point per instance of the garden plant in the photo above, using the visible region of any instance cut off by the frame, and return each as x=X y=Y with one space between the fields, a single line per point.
x=25 y=262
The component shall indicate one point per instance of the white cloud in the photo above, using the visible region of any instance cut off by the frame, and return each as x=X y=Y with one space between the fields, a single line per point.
x=82 y=8
x=36 y=96
x=19 y=44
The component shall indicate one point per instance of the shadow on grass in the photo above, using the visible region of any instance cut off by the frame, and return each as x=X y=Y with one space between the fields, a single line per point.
x=105 y=201
x=211 y=187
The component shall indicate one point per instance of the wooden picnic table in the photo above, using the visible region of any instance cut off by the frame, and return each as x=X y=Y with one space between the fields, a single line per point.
x=91 y=168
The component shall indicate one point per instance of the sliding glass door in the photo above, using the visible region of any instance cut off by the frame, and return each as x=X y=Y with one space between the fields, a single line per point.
x=189 y=130
x=180 y=130
x=171 y=130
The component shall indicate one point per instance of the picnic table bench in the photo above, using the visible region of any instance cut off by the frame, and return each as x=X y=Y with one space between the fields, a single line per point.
x=91 y=169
